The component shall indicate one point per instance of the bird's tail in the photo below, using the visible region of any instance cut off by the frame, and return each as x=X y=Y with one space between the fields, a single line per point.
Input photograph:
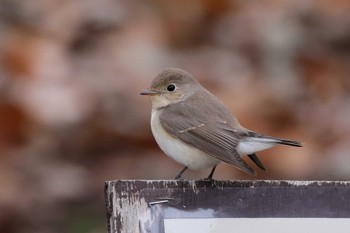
x=288 y=142
x=255 y=142
x=273 y=140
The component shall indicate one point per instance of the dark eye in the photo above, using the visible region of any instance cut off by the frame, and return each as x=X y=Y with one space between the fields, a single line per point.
x=171 y=87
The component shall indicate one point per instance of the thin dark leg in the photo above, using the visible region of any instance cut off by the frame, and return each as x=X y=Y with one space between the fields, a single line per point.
x=178 y=176
x=210 y=177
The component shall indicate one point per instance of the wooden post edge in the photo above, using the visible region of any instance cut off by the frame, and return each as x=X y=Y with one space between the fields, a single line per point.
x=139 y=206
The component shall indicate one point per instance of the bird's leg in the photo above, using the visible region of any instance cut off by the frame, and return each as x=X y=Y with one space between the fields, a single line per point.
x=178 y=176
x=210 y=177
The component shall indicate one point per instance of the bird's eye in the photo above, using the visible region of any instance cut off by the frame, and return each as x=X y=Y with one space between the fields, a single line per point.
x=171 y=87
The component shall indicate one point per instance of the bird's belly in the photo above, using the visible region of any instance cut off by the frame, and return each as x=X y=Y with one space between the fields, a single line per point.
x=181 y=152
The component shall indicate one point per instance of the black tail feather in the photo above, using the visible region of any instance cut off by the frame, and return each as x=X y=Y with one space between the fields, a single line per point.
x=289 y=142
x=276 y=140
x=257 y=161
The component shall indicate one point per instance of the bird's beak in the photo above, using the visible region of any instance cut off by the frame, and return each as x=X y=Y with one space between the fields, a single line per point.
x=149 y=92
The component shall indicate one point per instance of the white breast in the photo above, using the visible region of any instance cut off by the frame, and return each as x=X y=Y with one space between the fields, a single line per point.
x=182 y=153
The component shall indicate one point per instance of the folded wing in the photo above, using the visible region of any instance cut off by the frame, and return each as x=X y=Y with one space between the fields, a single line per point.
x=212 y=136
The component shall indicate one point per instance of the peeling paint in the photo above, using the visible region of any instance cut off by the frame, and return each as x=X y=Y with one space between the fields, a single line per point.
x=128 y=209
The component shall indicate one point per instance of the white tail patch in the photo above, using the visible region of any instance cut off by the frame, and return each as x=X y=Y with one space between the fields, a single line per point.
x=252 y=145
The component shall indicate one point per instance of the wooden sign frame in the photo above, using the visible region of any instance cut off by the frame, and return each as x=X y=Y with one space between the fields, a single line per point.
x=141 y=206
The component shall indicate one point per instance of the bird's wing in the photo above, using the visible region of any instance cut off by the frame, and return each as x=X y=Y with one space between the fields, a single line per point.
x=210 y=135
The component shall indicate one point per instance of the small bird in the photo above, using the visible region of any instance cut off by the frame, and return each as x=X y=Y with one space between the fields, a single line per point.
x=194 y=127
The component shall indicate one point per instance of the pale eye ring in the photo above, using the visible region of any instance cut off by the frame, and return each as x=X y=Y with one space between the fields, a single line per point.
x=171 y=87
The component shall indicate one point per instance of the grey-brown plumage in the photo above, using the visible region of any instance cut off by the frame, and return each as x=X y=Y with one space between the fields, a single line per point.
x=188 y=121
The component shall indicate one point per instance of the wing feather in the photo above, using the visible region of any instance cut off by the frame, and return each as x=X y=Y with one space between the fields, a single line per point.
x=212 y=136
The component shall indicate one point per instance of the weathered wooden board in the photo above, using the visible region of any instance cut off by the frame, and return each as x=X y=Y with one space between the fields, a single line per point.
x=139 y=206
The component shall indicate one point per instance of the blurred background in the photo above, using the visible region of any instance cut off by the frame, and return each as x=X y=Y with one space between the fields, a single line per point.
x=71 y=116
